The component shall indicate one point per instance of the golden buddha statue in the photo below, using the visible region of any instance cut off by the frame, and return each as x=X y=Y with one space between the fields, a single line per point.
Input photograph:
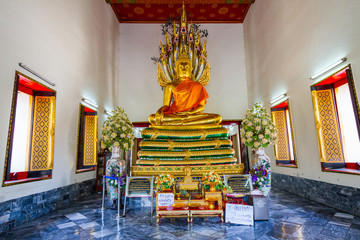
x=183 y=82
x=189 y=100
x=182 y=140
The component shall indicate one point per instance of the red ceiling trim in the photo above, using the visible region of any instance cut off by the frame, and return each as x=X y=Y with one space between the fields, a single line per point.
x=116 y=12
x=166 y=2
x=200 y=11
x=197 y=21
x=246 y=10
x=205 y=13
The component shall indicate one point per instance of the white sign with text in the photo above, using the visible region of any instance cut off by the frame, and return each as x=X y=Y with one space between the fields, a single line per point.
x=239 y=214
x=165 y=199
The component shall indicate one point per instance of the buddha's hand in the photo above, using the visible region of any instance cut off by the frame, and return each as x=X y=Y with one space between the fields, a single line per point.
x=195 y=110
x=160 y=114
x=184 y=113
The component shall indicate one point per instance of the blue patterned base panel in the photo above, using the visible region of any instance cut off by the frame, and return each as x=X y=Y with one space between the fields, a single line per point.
x=291 y=217
x=343 y=198
x=17 y=211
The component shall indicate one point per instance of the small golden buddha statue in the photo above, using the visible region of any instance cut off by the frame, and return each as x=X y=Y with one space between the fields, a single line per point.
x=188 y=183
x=189 y=100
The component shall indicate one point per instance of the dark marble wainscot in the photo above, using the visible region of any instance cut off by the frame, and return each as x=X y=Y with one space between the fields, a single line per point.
x=21 y=210
x=343 y=198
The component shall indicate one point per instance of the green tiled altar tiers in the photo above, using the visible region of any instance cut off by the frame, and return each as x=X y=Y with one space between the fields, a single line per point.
x=170 y=151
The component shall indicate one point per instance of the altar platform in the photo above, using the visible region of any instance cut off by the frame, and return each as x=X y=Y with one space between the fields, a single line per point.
x=190 y=213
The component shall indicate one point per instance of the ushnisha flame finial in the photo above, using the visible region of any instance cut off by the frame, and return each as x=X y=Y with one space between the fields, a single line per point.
x=183 y=28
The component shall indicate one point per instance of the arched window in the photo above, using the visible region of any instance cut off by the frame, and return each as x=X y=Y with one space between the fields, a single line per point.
x=30 y=145
x=336 y=113
x=284 y=148
x=87 y=139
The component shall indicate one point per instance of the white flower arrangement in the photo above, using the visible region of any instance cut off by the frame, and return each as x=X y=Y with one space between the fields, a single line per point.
x=258 y=130
x=117 y=131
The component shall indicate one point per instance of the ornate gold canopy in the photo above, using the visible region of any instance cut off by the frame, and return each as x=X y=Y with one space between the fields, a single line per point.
x=182 y=41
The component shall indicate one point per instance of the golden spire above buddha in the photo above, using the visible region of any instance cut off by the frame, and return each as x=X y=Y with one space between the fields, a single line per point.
x=183 y=71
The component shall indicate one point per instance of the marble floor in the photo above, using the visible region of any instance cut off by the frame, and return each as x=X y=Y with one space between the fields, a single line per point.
x=291 y=217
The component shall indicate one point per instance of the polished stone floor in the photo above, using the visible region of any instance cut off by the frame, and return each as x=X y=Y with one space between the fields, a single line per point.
x=291 y=217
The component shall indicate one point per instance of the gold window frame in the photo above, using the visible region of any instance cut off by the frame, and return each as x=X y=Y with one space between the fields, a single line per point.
x=81 y=146
x=355 y=104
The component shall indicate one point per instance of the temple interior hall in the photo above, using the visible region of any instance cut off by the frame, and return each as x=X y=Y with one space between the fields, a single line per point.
x=66 y=66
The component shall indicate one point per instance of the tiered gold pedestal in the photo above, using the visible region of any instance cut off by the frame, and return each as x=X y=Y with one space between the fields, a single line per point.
x=171 y=150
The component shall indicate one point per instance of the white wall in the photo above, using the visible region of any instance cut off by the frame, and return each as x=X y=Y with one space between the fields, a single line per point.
x=140 y=94
x=74 y=44
x=286 y=42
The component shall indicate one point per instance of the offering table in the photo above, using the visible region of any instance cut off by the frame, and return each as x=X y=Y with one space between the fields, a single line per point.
x=206 y=212
x=172 y=213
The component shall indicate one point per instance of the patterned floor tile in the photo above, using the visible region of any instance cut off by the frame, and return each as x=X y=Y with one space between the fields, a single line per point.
x=66 y=225
x=344 y=215
x=88 y=225
x=101 y=234
x=75 y=216
x=291 y=217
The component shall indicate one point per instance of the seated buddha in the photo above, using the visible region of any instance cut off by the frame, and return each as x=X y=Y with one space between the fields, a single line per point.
x=188 y=183
x=189 y=99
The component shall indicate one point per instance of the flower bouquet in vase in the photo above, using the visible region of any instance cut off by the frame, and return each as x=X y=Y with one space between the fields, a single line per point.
x=260 y=178
x=213 y=180
x=117 y=134
x=164 y=182
x=258 y=132
x=117 y=131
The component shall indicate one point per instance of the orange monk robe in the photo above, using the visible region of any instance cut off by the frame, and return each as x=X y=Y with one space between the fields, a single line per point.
x=187 y=95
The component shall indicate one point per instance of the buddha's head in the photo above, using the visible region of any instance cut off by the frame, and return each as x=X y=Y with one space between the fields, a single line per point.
x=183 y=67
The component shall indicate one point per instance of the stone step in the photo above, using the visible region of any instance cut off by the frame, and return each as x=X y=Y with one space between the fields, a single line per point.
x=152 y=134
x=204 y=161
x=185 y=154
x=183 y=145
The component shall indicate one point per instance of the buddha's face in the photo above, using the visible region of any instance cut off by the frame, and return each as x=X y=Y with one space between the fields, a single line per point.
x=184 y=70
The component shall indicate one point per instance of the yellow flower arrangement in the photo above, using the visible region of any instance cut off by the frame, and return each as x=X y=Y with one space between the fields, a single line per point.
x=211 y=177
x=164 y=181
x=226 y=188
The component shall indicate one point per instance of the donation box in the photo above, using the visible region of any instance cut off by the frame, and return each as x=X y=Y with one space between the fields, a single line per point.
x=261 y=207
